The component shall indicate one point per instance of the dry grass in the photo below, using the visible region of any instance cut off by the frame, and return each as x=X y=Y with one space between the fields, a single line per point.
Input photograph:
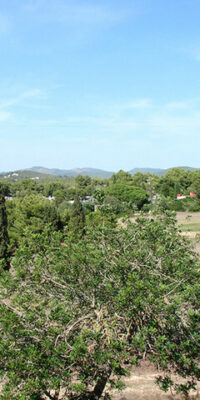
x=189 y=224
x=189 y=221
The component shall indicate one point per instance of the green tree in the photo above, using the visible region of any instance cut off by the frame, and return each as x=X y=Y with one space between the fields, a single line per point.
x=140 y=180
x=83 y=185
x=34 y=211
x=77 y=219
x=195 y=185
x=75 y=315
x=83 y=181
x=176 y=180
x=59 y=196
x=52 y=188
x=99 y=195
x=4 y=241
x=25 y=187
x=121 y=177
x=129 y=194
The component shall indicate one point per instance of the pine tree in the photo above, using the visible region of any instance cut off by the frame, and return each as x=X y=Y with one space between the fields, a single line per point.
x=77 y=220
x=3 y=231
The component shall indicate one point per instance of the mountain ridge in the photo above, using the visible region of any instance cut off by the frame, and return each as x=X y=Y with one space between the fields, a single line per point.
x=159 y=171
x=92 y=172
x=95 y=172
x=72 y=173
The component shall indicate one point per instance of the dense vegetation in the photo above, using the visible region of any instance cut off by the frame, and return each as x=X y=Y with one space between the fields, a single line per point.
x=81 y=299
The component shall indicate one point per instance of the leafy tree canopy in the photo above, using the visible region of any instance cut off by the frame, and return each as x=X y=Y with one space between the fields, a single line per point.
x=77 y=219
x=75 y=314
x=33 y=211
x=128 y=193
x=121 y=177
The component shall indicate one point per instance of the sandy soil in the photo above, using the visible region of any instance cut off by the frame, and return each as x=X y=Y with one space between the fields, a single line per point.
x=141 y=386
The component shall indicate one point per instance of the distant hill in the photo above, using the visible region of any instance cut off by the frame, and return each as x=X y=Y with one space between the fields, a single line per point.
x=92 y=172
x=48 y=174
x=158 y=171
x=187 y=168
x=13 y=176
x=42 y=173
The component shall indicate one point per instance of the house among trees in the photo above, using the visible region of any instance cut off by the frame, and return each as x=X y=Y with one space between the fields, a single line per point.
x=179 y=196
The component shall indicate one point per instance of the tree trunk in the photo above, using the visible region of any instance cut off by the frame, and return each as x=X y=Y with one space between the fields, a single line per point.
x=98 y=389
x=100 y=386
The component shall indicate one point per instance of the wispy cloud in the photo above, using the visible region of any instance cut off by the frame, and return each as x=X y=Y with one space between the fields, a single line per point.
x=146 y=118
x=177 y=105
x=142 y=117
x=23 y=96
x=136 y=104
x=139 y=117
x=167 y=125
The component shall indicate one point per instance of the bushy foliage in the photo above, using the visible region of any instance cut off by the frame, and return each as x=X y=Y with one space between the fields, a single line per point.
x=76 y=314
x=32 y=211
x=194 y=205
x=77 y=219
x=4 y=240
x=177 y=205
x=129 y=194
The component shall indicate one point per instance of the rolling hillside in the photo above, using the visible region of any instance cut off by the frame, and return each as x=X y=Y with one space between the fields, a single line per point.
x=44 y=174
x=92 y=172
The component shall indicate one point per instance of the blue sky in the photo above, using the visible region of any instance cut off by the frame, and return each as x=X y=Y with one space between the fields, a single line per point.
x=109 y=84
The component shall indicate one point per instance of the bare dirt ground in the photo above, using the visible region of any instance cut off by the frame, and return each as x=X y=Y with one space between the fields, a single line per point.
x=141 y=386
